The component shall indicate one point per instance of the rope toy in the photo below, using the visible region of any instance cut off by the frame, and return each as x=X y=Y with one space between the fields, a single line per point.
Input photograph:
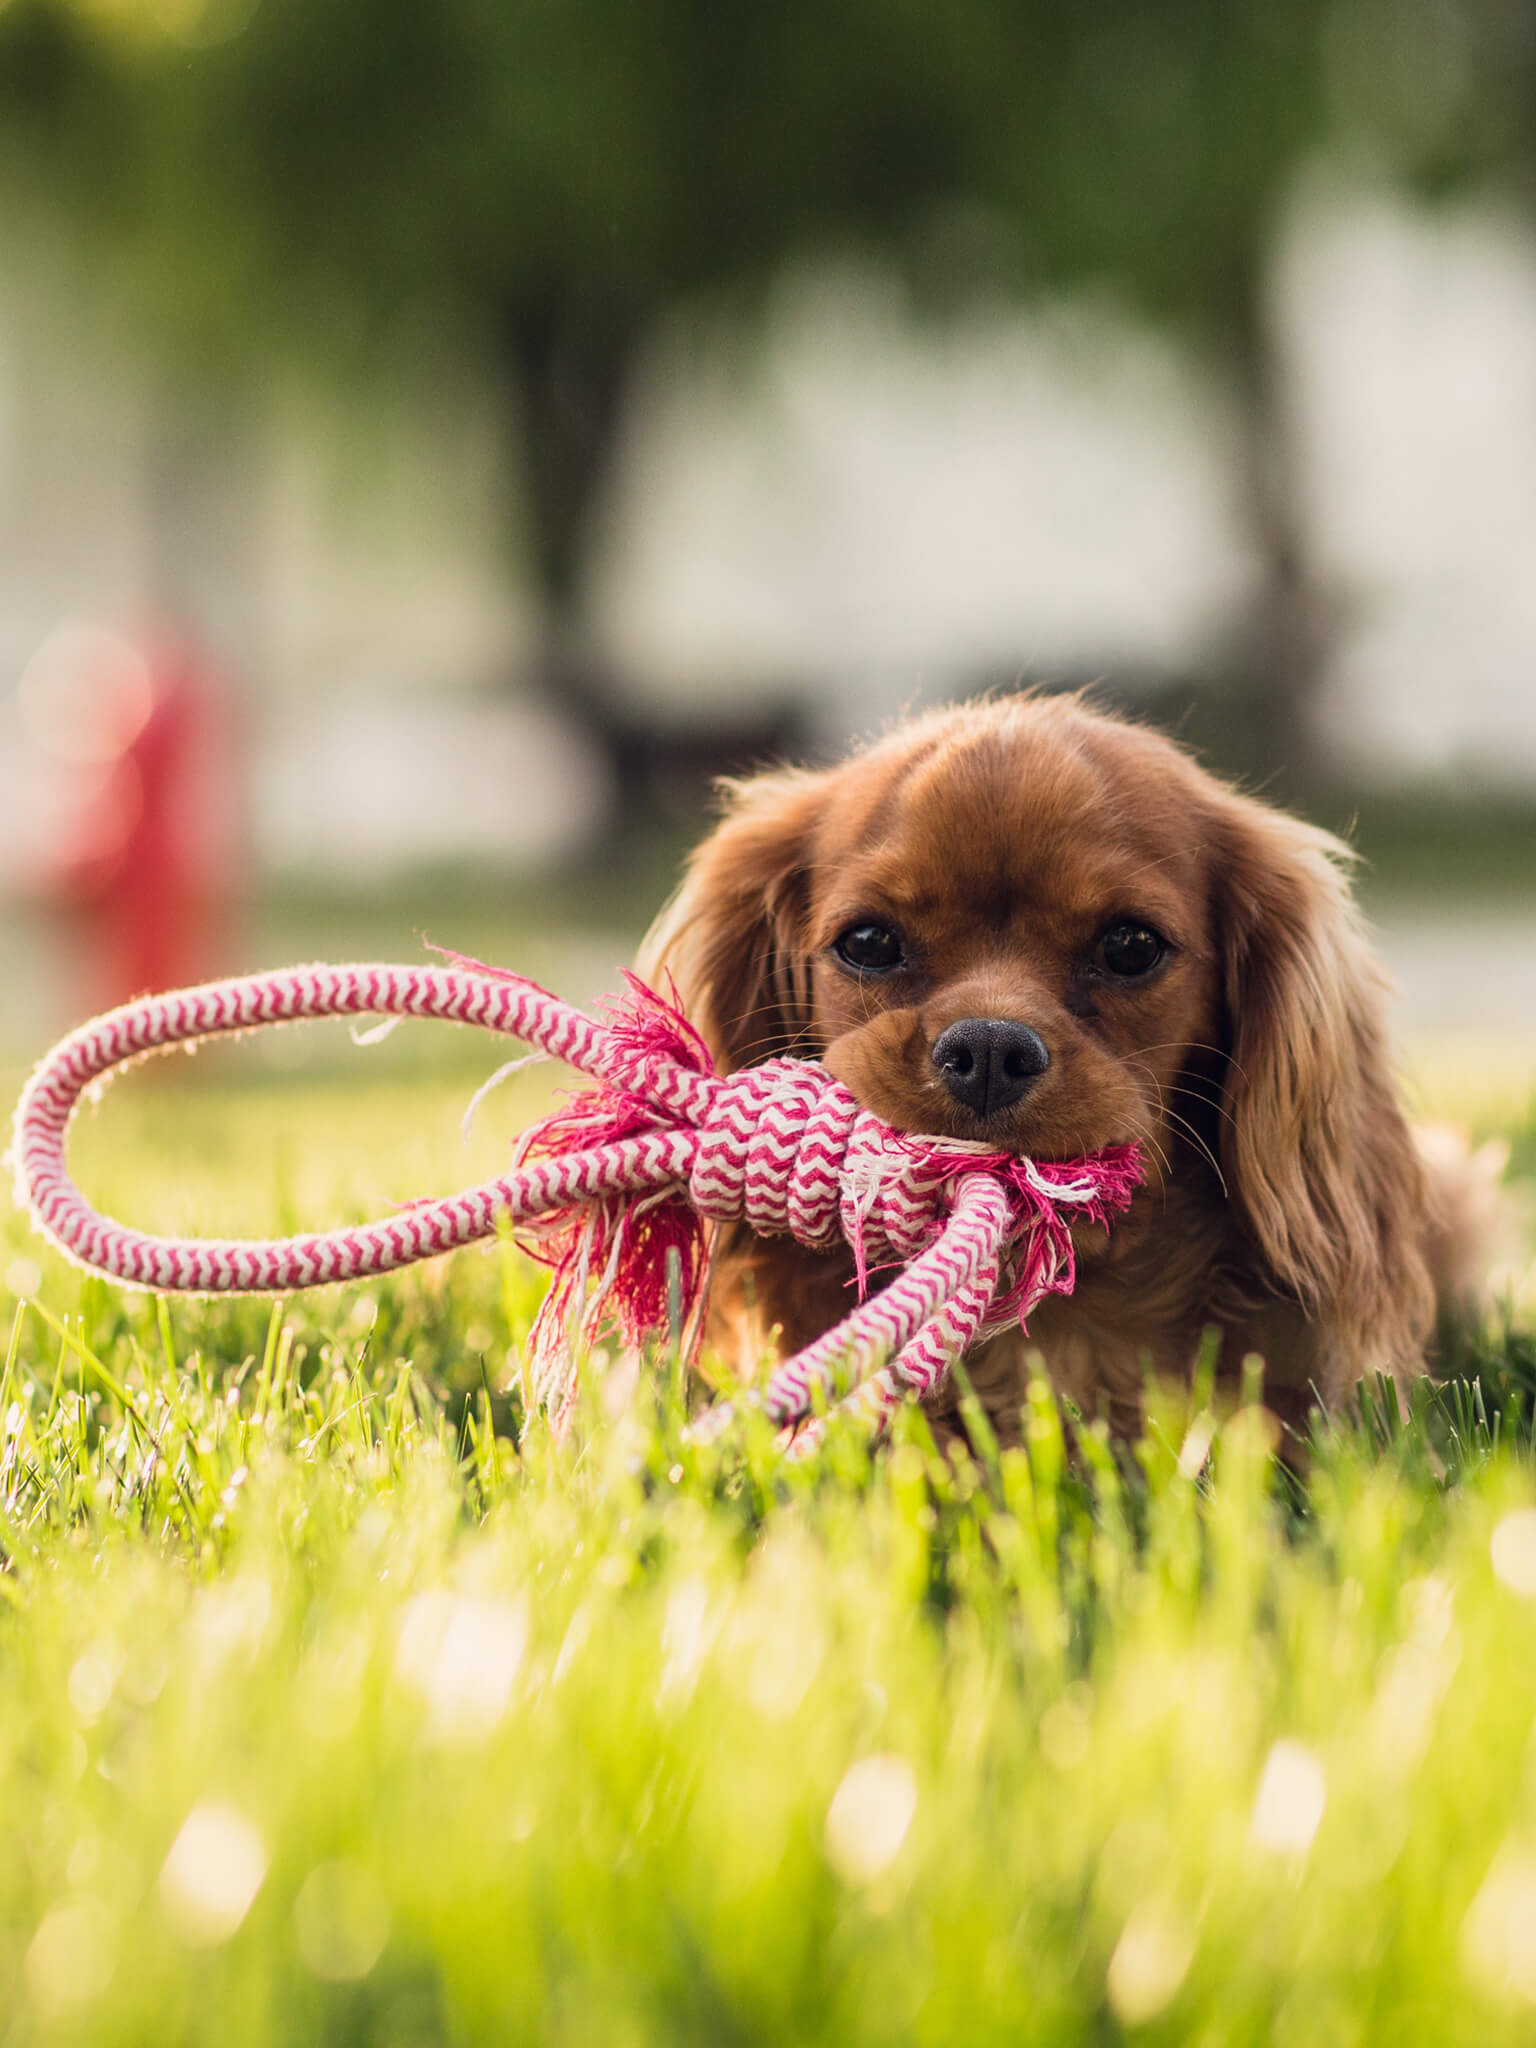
x=613 y=1190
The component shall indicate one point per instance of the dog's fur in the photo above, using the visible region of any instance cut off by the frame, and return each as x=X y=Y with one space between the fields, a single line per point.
x=1285 y=1205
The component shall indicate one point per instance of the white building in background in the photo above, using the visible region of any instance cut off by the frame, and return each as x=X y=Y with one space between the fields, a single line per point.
x=1411 y=337
x=892 y=511
x=889 y=508
x=847 y=506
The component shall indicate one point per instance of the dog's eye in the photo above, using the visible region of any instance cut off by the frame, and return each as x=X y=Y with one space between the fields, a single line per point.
x=870 y=948
x=1129 y=949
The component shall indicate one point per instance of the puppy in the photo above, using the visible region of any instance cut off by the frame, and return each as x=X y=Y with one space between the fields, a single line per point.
x=1025 y=922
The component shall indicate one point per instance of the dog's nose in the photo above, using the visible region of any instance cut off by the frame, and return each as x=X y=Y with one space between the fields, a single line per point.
x=988 y=1063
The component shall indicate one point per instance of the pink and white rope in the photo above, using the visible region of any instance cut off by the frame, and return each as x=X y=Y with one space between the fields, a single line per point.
x=783 y=1146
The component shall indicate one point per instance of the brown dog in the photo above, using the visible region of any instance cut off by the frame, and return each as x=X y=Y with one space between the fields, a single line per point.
x=1025 y=922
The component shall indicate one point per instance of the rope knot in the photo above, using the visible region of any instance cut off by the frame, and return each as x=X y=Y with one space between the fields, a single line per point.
x=788 y=1149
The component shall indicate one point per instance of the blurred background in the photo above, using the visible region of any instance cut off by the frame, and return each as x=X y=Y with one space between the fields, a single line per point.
x=436 y=440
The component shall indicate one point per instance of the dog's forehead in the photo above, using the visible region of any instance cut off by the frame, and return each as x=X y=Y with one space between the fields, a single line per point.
x=1021 y=810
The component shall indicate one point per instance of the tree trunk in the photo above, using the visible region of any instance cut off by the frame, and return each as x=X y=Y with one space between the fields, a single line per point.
x=573 y=366
x=1282 y=647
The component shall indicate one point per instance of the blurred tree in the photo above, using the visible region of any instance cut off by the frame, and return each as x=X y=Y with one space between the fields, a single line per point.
x=549 y=175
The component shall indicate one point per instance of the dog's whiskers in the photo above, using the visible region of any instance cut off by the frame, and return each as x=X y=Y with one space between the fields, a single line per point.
x=1181 y=1122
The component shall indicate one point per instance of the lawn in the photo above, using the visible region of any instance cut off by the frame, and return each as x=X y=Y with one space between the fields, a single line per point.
x=338 y=1703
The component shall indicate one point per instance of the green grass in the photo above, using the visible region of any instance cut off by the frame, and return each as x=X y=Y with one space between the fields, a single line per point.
x=340 y=1704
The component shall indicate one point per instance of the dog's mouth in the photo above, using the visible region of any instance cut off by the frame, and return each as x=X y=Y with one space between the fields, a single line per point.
x=1042 y=1132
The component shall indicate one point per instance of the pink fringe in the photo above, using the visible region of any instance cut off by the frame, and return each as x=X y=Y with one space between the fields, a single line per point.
x=612 y=1259
x=1043 y=1260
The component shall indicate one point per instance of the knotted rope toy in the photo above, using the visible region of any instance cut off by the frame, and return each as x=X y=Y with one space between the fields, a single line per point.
x=614 y=1190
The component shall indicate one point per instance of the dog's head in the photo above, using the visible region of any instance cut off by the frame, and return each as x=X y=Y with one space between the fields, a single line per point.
x=1027 y=923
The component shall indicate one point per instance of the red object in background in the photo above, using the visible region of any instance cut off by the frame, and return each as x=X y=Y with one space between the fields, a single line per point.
x=145 y=858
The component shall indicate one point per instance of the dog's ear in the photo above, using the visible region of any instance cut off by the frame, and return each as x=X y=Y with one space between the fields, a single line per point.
x=733 y=936
x=1318 y=1157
